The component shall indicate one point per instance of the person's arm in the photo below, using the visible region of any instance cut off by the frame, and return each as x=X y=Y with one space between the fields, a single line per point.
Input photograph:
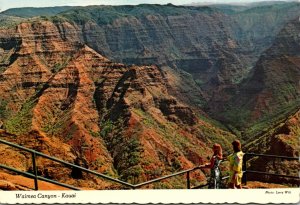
x=200 y=166
x=211 y=164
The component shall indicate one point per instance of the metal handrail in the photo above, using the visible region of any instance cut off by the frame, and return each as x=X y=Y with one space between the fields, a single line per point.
x=63 y=162
x=133 y=186
x=38 y=177
x=176 y=174
x=272 y=174
x=266 y=173
x=272 y=156
x=168 y=176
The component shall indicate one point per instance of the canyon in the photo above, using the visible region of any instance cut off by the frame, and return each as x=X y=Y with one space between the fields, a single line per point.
x=138 y=92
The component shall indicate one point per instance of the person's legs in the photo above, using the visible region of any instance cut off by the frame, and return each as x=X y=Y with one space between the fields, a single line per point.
x=231 y=185
x=239 y=181
x=231 y=181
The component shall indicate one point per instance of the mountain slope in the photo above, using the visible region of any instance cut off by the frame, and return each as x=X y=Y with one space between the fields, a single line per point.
x=273 y=91
x=117 y=119
x=218 y=50
x=9 y=21
x=282 y=140
x=261 y=23
x=198 y=40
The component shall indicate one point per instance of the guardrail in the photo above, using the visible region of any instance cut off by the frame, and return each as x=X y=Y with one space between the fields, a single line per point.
x=169 y=176
x=247 y=156
x=35 y=176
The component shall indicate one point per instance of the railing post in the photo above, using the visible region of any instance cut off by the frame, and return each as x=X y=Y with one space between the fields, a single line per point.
x=245 y=168
x=35 y=171
x=188 y=183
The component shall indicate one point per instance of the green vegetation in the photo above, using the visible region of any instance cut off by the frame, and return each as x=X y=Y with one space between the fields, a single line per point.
x=61 y=61
x=178 y=182
x=212 y=121
x=71 y=132
x=107 y=128
x=9 y=21
x=2 y=69
x=57 y=19
x=275 y=16
x=199 y=82
x=279 y=139
x=104 y=15
x=29 y=12
x=240 y=120
x=55 y=120
x=5 y=57
x=282 y=92
x=269 y=120
x=166 y=130
x=211 y=135
x=4 y=112
x=20 y=123
x=272 y=7
x=239 y=117
x=79 y=16
x=94 y=134
x=182 y=143
x=126 y=151
x=59 y=66
x=176 y=165
x=192 y=86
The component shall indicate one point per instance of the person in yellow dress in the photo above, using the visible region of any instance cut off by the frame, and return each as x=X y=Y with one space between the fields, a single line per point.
x=235 y=166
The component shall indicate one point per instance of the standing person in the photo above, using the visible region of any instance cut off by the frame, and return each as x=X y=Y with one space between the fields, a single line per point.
x=215 y=173
x=235 y=165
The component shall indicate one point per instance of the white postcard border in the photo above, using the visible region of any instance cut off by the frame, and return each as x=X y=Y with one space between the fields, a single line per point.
x=278 y=196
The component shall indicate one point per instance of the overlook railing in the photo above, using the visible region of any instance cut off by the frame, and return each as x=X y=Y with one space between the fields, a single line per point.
x=35 y=176
x=248 y=156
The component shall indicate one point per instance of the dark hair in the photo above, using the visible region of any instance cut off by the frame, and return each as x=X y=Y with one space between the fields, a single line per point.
x=236 y=145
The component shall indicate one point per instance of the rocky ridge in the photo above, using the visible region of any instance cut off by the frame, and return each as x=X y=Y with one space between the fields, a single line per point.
x=119 y=120
x=210 y=49
x=272 y=92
